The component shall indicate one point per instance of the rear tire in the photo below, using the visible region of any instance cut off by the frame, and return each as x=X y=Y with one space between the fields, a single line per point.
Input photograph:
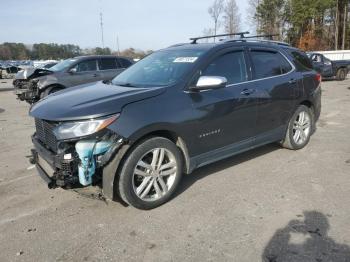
x=300 y=128
x=150 y=173
x=341 y=74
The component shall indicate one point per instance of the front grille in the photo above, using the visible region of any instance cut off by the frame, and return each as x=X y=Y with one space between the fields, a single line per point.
x=44 y=132
x=32 y=86
x=70 y=166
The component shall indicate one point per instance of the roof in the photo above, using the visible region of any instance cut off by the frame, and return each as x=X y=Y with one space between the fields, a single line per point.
x=234 y=42
x=99 y=56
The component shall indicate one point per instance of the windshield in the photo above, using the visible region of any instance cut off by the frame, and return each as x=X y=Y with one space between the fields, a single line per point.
x=159 y=69
x=63 y=65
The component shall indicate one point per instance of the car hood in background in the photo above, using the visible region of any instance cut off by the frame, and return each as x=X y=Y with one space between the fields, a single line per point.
x=89 y=101
x=31 y=72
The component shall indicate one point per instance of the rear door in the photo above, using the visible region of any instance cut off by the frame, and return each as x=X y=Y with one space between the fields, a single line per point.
x=124 y=63
x=304 y=66
x=85 y=72
x=327 y=67
x=109 y=68
x=277 y=84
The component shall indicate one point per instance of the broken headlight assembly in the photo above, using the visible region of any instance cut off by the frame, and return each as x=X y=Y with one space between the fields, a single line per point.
x=71 y=130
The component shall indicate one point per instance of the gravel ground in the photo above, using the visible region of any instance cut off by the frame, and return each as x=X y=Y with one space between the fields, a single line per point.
x=269 y=204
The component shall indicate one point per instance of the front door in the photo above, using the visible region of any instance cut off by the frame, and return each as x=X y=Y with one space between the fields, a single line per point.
x=322 y=65
x=84 y=72
x=226 y=116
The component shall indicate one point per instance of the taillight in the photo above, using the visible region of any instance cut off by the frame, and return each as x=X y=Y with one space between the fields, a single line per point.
x=318 y=78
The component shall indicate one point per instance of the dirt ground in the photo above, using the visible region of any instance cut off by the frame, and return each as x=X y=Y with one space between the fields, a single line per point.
x=269 y=204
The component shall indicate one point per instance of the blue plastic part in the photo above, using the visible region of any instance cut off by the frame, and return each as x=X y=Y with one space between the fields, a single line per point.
x=87 y=150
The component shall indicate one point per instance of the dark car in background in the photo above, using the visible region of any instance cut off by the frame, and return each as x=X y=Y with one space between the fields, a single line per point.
x=337 y=69
x=178 y=109
x=33 y=85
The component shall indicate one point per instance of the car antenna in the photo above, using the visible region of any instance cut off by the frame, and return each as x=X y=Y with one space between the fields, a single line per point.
x=194 y=39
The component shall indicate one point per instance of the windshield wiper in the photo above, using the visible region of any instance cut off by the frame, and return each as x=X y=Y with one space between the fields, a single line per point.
x=125 y=84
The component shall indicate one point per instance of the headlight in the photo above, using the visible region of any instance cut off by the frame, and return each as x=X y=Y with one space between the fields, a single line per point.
x=71 y=130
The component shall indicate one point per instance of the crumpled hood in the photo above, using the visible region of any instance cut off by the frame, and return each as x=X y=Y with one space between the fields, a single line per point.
x=89 y=101
x=31 y=72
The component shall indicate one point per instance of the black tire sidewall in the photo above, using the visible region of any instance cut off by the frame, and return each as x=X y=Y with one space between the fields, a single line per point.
x=344 y=74
x=49 y=91
x=341 y=74
x=127 y=171
x=300 y=109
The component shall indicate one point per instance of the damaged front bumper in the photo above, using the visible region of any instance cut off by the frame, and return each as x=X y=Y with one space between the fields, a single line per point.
x=26 y=90
x=89 y=161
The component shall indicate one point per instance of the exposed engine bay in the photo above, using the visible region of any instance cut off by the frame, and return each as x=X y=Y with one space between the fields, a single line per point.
x=73 y=163
x=26 y=83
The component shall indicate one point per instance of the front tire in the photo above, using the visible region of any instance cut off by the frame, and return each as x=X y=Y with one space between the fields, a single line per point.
x=150 y=173
x=300 y=128
x=49 y=91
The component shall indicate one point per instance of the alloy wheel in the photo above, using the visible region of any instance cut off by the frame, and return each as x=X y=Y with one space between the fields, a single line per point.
x=301 y=128
x=154 y=174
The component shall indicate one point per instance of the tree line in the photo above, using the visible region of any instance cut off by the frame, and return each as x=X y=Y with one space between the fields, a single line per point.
x=307 y=24
x=43 y=51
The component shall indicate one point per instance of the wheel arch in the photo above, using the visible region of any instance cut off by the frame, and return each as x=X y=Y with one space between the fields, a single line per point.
x=343 y=67
x=50 y=86
x=307 y=103
x=112 y=169
x=172 y=136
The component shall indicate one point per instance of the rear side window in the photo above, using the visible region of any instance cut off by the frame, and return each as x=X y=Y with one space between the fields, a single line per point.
x=231 y=65
x=125 y=63
x=301 y=60
x=269 y=63
x=88 y=65
x=107 y=63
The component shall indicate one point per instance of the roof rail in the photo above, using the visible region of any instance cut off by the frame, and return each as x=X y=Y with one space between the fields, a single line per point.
x=259 y=40
x=273 y=42
x=269 y=36
x=194 y=39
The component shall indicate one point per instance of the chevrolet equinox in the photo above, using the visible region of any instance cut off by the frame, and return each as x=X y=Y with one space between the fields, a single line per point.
x=177 y=109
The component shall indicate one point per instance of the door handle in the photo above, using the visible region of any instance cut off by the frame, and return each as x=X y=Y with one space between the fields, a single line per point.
x=247 y=92
x=292 y=81
x=95 y=75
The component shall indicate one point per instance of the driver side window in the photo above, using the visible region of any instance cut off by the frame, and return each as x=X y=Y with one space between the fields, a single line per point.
x=85 y=66
x=231 y=65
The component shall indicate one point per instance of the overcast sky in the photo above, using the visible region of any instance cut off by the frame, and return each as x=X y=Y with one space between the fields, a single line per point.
x=151 y=24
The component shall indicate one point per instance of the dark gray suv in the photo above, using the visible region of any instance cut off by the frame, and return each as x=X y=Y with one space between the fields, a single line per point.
x=178 y=109
x=71 y=72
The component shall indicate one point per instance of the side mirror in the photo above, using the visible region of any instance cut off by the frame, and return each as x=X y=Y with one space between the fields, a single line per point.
x=210 y=82
x=73 y=70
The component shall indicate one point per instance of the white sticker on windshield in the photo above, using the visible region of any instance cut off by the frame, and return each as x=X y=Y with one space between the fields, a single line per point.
x=185 y=59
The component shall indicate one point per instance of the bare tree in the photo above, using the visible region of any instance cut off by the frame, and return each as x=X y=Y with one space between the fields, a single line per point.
x=232 y=17
x=207 y=32
x=252 y=20
x=215 y=11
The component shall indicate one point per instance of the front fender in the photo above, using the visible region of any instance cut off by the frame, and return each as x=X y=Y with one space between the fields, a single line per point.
x=109 y=173
x=46 y=81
